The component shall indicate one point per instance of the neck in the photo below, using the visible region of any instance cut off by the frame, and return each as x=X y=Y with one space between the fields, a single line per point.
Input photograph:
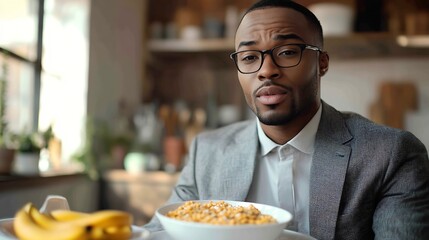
x=281 y=134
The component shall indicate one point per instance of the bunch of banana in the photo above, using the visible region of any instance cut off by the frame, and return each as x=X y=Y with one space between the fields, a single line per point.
x=30 y=224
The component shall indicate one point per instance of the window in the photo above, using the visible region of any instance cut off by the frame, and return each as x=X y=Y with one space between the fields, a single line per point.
x=57 y=40
x=18 y=36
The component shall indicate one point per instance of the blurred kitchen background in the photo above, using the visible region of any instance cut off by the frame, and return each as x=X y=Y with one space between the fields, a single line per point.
x=116 y=90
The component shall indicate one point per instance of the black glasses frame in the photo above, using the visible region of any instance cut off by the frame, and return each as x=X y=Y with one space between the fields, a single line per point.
x=303 y=46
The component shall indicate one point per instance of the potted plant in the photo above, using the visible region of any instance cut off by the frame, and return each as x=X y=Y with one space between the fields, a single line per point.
x=28 y=146
x=6 y=152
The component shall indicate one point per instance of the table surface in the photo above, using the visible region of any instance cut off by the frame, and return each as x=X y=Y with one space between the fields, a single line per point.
x=286 y=235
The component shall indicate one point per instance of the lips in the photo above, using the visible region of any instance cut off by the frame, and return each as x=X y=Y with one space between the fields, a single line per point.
x=271 y=95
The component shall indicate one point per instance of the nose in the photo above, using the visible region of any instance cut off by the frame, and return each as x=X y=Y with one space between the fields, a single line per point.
x=269 y=70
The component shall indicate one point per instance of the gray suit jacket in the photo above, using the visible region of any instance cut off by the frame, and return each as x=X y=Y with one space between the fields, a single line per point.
x=367 y=181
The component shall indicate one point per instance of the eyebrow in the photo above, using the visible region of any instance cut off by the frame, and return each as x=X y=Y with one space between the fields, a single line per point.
x=246 y=43
x=276 y=38
x=287 y=37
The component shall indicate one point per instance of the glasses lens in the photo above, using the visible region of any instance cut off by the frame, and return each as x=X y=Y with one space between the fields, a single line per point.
x=248 y=61
x=284 y=56
x=288 y=55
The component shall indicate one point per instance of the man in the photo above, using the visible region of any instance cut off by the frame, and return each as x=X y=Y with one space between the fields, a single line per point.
x=340 y=175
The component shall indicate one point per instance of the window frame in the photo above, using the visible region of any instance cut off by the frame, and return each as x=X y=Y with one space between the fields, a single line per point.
x=36 y=64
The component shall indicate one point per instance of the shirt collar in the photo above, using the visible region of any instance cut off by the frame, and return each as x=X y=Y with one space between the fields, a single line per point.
x=266 y=144
x=303 y=141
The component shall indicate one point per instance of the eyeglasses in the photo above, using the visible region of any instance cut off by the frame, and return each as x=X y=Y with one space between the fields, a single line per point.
x=284 y=56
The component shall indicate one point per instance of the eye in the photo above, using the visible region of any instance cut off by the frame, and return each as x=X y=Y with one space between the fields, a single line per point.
x=248 y=57
x=287 y=52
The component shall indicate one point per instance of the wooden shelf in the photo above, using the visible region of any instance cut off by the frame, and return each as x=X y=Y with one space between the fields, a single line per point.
x=416 y=41
x=367 y=45
x=183 y=46
x=359 y=45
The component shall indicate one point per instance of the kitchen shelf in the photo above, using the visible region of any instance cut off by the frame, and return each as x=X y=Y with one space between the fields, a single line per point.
x=417 y=41
x=358 y=45
x=183 y=46
x=367 y=45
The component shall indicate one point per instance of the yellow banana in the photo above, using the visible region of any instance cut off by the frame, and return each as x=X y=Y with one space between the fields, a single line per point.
x=30 y=224
x=108 y=225
x=41 y=219
x=111 y=233
x=104 y=219
x=116 y=225
x=27 y=229
x=67 y=215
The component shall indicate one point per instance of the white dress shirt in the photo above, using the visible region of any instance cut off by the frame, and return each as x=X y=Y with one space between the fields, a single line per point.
x=282 y=176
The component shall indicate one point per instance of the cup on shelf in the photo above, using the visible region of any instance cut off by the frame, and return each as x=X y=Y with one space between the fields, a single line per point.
x=191 y=32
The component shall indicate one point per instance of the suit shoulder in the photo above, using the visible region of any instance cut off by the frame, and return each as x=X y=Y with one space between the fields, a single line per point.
x=361 y=126
x=227 y=132
x=226 y=135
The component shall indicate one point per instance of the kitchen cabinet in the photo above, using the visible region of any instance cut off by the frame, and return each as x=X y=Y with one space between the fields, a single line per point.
x=200 y=72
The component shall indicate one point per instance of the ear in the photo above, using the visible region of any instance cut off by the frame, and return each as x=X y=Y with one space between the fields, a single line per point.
x=323 y=63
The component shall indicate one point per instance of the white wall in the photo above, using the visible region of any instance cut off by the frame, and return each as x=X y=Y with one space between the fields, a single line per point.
x=352 y=85
x=115 y=62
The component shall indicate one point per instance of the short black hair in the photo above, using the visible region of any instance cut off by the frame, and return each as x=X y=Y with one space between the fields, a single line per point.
x=289 y=4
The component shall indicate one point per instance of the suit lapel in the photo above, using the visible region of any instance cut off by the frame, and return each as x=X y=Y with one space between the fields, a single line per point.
x=330 y=161
x=241 y=158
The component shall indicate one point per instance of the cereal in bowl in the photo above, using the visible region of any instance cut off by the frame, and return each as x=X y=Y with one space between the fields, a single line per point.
x=219 y=213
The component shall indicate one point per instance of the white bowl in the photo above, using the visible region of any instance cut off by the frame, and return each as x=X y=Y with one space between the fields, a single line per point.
x=182 y=230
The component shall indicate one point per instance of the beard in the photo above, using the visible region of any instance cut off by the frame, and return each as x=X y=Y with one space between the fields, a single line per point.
x=275 y=118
